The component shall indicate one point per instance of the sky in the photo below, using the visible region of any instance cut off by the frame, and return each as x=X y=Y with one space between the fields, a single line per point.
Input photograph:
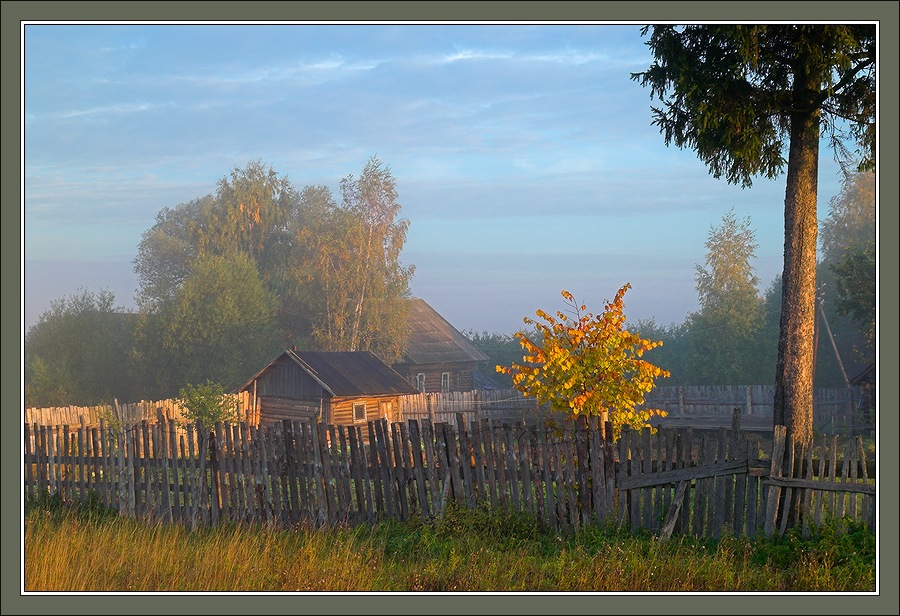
x=524 y=156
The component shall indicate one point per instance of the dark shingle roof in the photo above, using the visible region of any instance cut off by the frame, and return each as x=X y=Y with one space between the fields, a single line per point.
x=432 y=340
x=347 y=373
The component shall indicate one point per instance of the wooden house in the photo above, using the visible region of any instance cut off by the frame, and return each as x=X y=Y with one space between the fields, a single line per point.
x=342 y=388
x=438 y=357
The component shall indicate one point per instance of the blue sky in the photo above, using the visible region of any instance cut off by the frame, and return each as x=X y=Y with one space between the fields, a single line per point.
x=524 y=155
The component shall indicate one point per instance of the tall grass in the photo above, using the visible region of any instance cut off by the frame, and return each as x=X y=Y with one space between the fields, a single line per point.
x=90 y=549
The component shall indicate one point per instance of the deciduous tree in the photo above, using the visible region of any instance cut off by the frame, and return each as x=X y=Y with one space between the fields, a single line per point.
x=588 y=365
x=207 y=403
x=856 y=289
x=77 y=352
x=848 y=242
x=358 y=285
x=720 y=348
x=219 y=326
x=254 y=211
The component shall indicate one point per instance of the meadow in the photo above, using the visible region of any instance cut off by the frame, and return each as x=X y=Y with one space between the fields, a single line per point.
x=88 y=548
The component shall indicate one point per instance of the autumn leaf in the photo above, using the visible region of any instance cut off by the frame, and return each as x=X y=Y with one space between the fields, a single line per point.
x=589 y=365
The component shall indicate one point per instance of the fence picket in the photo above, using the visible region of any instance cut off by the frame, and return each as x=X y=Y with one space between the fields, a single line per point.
x=565 y=475
x=400 y=470
x=722 y=497
x=526 y=450
x=505 y=432
x=789 y=504
x=646 y=453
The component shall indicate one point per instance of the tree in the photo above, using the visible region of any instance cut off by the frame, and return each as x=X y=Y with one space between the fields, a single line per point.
x=219 y=326
x=207 y=404
x=848 y=242
x=731 y=310
x=77 y=352
x=352 y=261
x=254 y=211
x=856 y=289
x=587 y=365
x=501 y=349
x=851 y=217
x=740 y=95
x=167 y=251
x=335 y=270
x=671 y=354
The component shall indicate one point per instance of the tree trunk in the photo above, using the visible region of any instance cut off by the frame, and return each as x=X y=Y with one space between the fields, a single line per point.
x=794 y=371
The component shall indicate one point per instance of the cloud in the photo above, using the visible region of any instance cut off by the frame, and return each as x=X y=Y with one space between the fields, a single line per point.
x=119 y=109
x=471 y=54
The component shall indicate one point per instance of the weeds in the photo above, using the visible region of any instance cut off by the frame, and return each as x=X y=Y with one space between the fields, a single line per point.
x=77 y=547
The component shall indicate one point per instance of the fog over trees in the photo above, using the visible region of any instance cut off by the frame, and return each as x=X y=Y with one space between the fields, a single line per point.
x=754 y=100
x=228 y=278
x=226 y=281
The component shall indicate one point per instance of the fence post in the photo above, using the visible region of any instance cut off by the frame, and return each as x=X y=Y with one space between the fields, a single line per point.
x=749 y=400
x=681 y=400
x=430 y=408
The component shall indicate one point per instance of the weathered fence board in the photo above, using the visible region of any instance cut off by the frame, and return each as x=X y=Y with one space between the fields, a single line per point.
x=567 y=476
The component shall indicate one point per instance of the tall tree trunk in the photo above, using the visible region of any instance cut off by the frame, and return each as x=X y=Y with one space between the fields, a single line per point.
x=794 y=371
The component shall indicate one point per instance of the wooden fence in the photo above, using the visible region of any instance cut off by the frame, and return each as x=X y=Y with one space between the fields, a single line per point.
x=834 y=409
x=567 y=475
x=124 y=413
x=699 y=406
x=474 y=405
x=437 y=407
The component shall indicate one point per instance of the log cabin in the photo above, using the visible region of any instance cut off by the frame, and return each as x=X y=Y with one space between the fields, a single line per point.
x=438 y=357
x=341 y=388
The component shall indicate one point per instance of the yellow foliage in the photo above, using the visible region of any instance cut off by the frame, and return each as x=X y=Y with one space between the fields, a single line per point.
x=588 y=365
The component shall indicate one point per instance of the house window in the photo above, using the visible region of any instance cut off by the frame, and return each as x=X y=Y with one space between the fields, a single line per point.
x=445 y=382
x=420 y=382
x=359 y=411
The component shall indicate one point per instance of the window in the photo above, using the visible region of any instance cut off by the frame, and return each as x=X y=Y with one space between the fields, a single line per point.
x=445 y=382
x=420 y=382
x=359 y=411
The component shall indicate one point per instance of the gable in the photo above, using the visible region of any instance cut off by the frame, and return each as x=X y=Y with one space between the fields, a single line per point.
x=353 y=373
x=433 y=340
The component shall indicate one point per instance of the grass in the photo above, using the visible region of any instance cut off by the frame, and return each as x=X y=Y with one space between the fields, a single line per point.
x=89 y=548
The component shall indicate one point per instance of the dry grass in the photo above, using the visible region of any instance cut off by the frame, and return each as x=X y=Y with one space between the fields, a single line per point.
x=467 y=551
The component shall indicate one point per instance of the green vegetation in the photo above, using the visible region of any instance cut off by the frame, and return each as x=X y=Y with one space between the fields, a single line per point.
x=207 y=404
x=78 y=352
x=588 y=365
x=227 y=281
x=735 y=341
x=744 y=97
x=731 y=310
x=90 y=549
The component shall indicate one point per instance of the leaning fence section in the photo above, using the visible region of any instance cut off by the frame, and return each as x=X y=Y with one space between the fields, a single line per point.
x=568 y=475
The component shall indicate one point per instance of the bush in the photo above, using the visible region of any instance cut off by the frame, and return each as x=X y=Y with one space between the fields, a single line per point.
x=207 y=404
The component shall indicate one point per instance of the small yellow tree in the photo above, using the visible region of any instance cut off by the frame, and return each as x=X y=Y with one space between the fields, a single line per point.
x=587 y=365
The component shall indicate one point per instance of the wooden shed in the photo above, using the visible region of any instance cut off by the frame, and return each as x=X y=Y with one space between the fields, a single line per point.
x=438 y=357
x=344 y=388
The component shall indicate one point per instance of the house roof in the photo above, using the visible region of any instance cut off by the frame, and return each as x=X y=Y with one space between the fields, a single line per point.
x=345 y=373
x=432 y=340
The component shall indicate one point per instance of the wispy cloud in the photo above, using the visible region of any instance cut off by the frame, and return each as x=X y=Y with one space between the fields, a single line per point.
x=118 y=109
x=316 y=70
x=473 y=54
